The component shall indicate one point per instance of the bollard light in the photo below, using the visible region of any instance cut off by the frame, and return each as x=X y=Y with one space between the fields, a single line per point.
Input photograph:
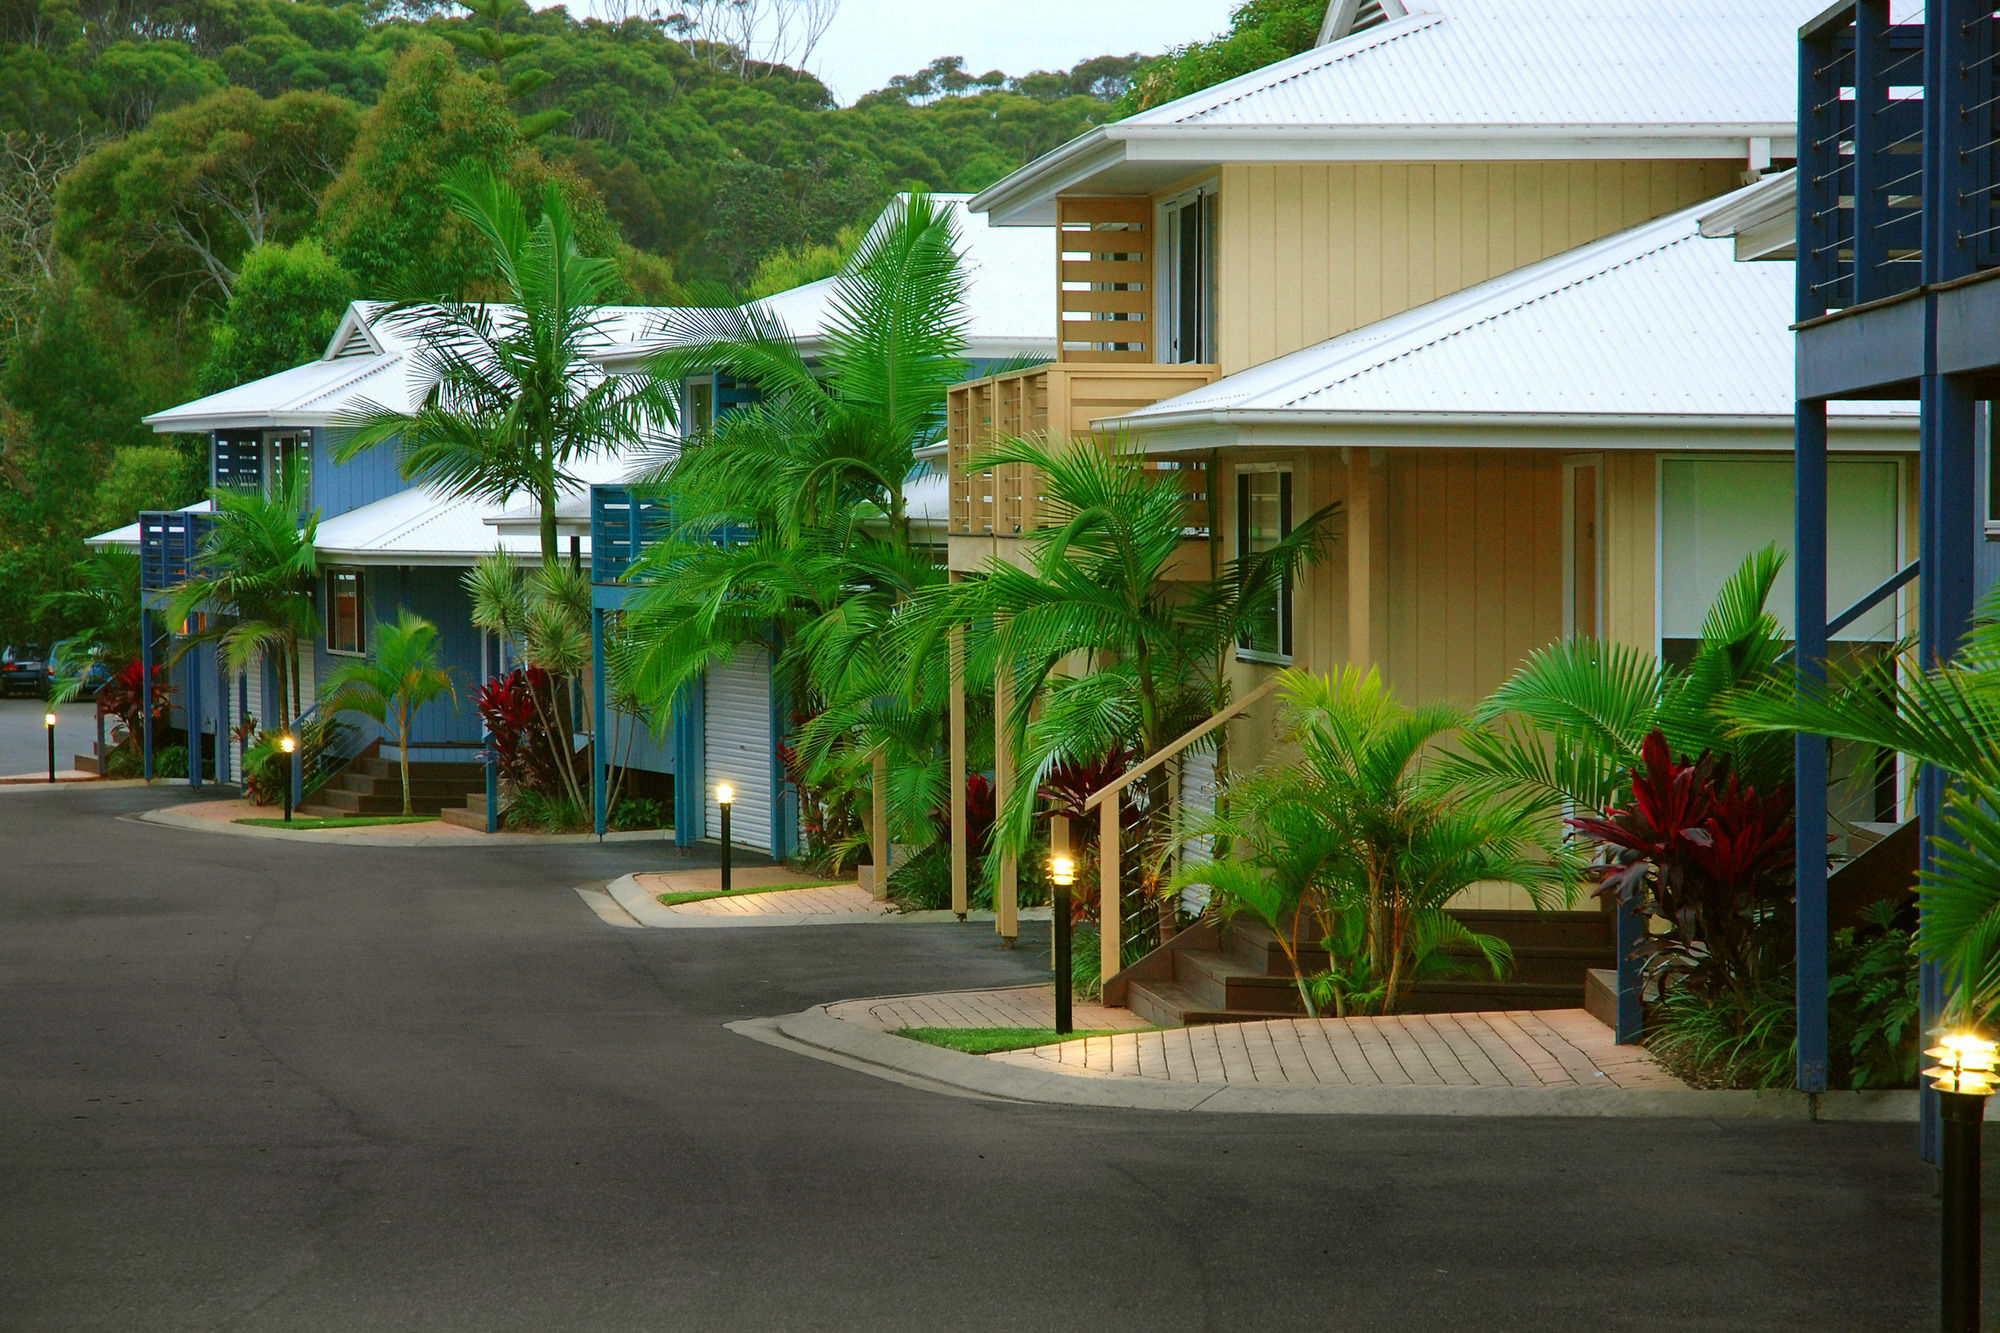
x=1062 y=874
x=1964 y=1077
x=725 y=796
x=289 y=744
x=49 y=725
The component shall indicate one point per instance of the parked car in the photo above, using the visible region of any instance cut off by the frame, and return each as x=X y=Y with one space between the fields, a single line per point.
x=68 y=654
x=24 y=669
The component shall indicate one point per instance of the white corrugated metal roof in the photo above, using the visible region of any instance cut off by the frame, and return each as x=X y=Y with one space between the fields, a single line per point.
x=422 y=525
x=1654 y=323
x=1467 y=79
x=1010 y=296
x=316 y=393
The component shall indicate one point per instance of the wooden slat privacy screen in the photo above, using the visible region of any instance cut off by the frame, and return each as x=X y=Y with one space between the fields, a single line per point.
x=1105 y=261
x=1058 y=401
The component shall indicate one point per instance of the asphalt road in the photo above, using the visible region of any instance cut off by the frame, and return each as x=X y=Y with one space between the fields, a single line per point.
x=24 y=741
x=246 y=1085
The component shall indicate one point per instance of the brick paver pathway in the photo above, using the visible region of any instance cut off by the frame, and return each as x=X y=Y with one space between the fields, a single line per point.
x=1540 y=1048
x=1014 y=1007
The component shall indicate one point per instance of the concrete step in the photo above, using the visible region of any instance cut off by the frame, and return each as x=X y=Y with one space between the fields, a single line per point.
x=460 y=817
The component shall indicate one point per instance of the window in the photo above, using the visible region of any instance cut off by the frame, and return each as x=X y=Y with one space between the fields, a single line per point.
x=1187 y=286
x=291 y=451
x=346 y=622
x=1263 y=519
x=700 y=407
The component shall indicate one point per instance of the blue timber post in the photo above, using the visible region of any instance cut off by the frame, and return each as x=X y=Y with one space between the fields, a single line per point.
x=599 y=784
x=221 y=718
x=146 y=690
x=193 y=660
x=1631 y=930
x=1809 y=752
x=690 y=764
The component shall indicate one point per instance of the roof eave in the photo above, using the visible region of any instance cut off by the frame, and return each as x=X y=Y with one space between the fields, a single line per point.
x=1235 y=427
x=165 y=424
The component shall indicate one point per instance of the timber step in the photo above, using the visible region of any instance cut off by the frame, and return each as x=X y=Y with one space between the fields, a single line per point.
x=471 y=815
x=373 y=785
x=1237 y=970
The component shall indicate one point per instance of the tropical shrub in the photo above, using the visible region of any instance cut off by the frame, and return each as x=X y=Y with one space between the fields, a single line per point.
x=1709 y=859
x=171 y=762
x=1355 y=848
x=399 y=676
x=521 y=745
x=635 y=813
x=267 y=768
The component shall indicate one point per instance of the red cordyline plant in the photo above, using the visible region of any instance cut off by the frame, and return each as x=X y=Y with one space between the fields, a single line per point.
x=522 y=748
x=1710 y=857
x=124 y=697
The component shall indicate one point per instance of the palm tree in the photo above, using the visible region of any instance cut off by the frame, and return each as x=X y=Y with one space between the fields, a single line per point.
x=400 y=675
x=256 y=573
x=1100 y=582
x=790 y=525
x=1362 y=842
x=513 y=401
x=1947 y=717
x=105 y=603
x=546 y=614
x=1567 y=729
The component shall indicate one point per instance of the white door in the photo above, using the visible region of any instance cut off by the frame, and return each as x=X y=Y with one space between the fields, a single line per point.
x=737 y=746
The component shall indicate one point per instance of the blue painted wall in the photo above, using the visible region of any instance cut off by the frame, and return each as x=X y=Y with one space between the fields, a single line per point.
x=341 y=487
x=435 y=594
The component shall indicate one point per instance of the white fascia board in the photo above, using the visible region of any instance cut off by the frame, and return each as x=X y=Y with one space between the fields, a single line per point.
x=1027 y=198
x=1199 y=433
x=1199 y=145
x=201 y=425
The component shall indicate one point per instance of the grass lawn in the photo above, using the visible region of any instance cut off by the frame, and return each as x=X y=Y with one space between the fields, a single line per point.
x=985 y=1041
x=676 y=899
x=359 y=821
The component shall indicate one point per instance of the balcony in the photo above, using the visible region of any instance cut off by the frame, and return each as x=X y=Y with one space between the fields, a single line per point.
x=1892 y=131
x=170 y=543
x=1059 y=401
x=621 y=525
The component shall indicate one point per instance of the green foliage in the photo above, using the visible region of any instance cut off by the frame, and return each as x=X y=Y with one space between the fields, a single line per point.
x=102 y=610
x=1352 y=851
x=795 y=266
x=171 y=762
x=1261 y=32
x=147 y=476
x=287 y=301
x=1872 y=999
x=987 y=1041
x=164 y=217
x=547 y=812
x=637 y=812
x=1731 y=1039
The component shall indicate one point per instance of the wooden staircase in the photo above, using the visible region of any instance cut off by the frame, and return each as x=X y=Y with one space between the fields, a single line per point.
x=1233 y=971
x=373 y=785
x=472 y=814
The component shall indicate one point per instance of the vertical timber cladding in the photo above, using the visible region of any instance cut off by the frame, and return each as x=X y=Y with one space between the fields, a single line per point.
x=1474 y=581
x=737 y=745
x=1308 y=252
x=1104 y=259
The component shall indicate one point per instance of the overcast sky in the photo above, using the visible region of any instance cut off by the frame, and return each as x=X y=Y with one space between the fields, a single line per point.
x=872 y=40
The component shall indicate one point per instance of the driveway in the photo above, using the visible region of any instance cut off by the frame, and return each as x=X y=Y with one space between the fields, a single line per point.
x=250 y=1085
x=24 y=742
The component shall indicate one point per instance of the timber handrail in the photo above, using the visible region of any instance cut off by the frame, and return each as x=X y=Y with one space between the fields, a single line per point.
x=1174 y=747
x=1110 y=960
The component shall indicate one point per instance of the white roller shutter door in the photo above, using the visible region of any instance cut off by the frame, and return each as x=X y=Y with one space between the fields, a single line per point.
x=737 y=746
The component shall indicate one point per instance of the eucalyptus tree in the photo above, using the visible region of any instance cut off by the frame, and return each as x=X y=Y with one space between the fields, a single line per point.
x=511 y=399
x=253 y=581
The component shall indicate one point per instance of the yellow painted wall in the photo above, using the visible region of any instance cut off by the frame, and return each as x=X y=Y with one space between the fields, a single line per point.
x=1631 y=547
x=1313 y=250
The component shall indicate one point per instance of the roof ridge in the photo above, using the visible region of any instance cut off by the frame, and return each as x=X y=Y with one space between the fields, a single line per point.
x=1461 y=329
x=1346 y=48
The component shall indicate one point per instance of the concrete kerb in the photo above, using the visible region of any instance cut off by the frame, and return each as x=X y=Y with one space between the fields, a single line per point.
x=444 y=837
x=24 y=784
x=648 y=910
x=902 y=1060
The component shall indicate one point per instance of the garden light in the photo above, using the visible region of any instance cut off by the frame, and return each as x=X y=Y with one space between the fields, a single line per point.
x=725 y=796
x=49 y=725
x=289 y=744
x=1963 y=1077
x=1062 y=874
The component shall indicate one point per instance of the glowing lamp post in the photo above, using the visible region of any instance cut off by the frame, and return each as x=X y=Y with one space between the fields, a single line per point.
x=1062 y=874
x=49 y=725
x=1964 y=1077
x=290 y=745
x=725 y=796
